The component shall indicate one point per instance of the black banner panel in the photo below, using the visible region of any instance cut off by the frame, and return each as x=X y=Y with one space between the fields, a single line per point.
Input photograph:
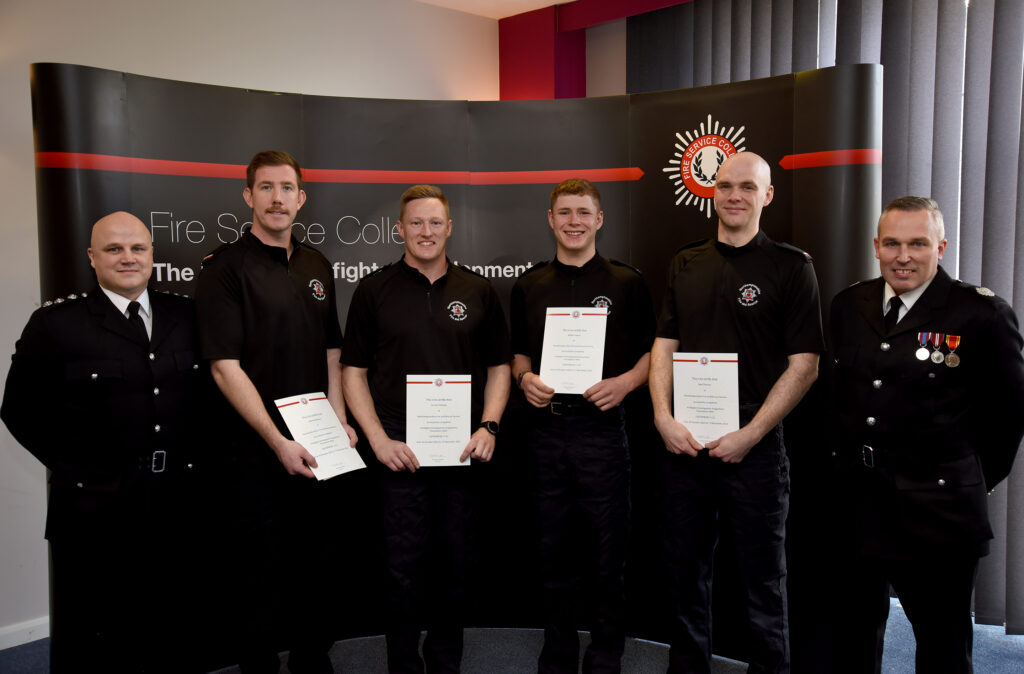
x=174 y=154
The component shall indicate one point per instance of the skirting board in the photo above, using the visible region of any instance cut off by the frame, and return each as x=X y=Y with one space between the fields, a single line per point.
x=24 y=632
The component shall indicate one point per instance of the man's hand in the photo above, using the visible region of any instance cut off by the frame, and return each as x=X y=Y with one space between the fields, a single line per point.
x=396 y=455
x=294 y=457
x=480 y=446
x=608 y=393
x=536 y=391
x=677 y=437
x=732 y=447
x=351 y=433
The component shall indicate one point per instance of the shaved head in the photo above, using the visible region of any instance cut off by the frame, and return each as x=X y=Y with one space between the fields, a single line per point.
x=121 y=252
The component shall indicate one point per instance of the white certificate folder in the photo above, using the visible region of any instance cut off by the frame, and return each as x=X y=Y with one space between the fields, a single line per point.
x=705 y=389
x=437 y=411
x=315 y=426
x=572 y=354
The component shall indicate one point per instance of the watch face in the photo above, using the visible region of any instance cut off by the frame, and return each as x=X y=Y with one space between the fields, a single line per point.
x=491 y=426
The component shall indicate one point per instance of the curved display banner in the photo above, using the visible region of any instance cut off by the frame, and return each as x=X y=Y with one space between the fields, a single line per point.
x=174 y=154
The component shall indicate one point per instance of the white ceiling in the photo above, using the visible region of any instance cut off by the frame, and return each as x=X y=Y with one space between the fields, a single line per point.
x=495 y=9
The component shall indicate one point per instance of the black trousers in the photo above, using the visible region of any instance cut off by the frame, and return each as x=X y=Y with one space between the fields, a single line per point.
x=935 y=592
x=281 y=534
x=125 y=579
x=751 y=497
x=583 y=470
x=426 y=521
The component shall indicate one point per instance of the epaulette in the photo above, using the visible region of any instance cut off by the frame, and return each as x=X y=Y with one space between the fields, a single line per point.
x=793 y=249
x=535 y=267
x=212 y=254
x=981 y=290
x=170 y=292
x=62 y=300
x=620 y=263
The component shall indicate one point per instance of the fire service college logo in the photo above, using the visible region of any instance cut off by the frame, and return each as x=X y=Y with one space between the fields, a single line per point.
x=457 y=311
x=749 y=294
x=318 y=289
x=697 y=157
x=602 y=302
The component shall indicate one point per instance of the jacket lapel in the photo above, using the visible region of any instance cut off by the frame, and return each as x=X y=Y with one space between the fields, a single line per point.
x=932 y=302
x=870 y=305
x=109 y=317
x=163 y=322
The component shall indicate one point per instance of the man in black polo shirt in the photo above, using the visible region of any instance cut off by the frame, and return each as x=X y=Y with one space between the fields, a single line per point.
x=579 y=441
x=424 y=315
x=269 y=327
x=744 y=294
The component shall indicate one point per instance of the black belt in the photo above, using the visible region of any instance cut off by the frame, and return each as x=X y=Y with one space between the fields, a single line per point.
x=159 y=461
x=873 y=458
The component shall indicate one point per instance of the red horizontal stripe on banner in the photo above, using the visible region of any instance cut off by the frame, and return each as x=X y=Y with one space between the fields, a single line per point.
x=831 y=158
x=104 y=162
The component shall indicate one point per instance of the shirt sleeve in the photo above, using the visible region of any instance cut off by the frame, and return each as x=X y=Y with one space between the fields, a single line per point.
x=803 y=312
x=497 y=344
x=360 y=329
x=668 y=326
x=517 y=319
x=219 y=312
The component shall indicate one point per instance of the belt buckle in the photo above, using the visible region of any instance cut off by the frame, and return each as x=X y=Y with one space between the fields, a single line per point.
x=867 y=455
x=556 y=405
x=159 y=462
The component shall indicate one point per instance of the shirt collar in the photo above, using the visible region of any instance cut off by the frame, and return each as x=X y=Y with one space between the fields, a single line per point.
x=908 y=298
x=122 y=302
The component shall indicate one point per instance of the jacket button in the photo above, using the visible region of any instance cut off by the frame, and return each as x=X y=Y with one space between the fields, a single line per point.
x=942 y=483
x=195 y=366
x=870 y=421
x=931 y=375
x=152 y=356
x=885 y=346
x=877 y=383
x=156 y=391
x=157 y=428
x=94 y=376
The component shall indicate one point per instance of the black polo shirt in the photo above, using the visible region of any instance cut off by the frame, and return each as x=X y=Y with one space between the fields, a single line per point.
x=599 y=282
x=759 y=300
x=399 y=323
x=274 y=314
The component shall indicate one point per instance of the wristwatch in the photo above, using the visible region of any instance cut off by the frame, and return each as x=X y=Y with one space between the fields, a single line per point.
x=491 y=426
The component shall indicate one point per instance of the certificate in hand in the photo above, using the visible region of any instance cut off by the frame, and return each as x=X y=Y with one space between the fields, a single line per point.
x=572 y=355
x=705 y=387
x=437 y=411
x=315 y=426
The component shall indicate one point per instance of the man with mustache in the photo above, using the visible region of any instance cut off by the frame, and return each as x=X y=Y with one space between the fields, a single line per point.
x=269 y=328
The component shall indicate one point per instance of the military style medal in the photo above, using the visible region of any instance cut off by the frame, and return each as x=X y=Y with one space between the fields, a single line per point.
x=923 y=338
x=952 y=341
x=937 y=355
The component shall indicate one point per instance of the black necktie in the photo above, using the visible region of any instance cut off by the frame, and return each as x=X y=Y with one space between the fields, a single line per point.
x=893 y=314
x=136 y=321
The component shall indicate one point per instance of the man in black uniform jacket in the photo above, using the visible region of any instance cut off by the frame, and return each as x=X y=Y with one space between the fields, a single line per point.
x=745 y=294
x=269 y=327
x=579 y=440
x=929 y=393
x=424 y=315
x=105 y=390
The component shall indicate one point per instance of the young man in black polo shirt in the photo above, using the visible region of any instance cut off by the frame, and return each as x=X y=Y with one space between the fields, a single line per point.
x=746 y=294
x=424 y=315
x=579 y=441
x=269 y=327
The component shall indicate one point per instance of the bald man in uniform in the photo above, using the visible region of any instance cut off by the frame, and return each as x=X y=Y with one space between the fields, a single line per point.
x=103 y=390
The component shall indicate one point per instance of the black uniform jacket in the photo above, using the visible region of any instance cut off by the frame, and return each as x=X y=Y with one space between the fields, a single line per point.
x=87 y=397
x=921 y=441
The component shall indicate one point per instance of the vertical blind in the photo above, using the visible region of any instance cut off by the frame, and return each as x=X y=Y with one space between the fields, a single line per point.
x=951 y=130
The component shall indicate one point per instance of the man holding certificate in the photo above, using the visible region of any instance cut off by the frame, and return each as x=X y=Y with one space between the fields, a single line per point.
x=427 y=377
x=582 y=328
x=738 y=339
x=268 y=324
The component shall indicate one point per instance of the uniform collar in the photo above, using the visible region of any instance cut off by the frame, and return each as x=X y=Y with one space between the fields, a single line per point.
x=275 y=251
x=416 y=273
x=582 y=269
x=732 y=251
x=121 y=302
